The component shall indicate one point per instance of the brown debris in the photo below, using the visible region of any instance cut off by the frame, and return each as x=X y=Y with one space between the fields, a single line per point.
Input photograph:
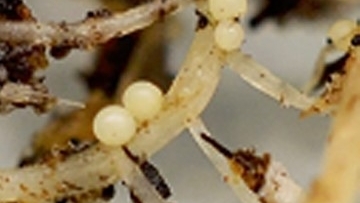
x=244 y=162
x=59 y=52
x=19 y=87
x=105 y=194
x=336 y=75
x=14 y=10
x=102 y=13
x=202 y=20
x=251 y=167
x=328 y=100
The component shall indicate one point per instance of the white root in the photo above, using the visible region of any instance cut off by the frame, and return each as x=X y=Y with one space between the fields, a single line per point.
x=339 y=179
x=221 y=163
x=278 y=187
x=100 y=167
x=44 y=183
x=187 y=98
x=262 y=79
x=91 y=31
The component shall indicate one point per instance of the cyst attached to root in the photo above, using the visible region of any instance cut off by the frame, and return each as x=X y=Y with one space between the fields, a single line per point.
x=114 y=125
x=340 y=33
x=227 y=9
x=143 y=99
x=229 y=35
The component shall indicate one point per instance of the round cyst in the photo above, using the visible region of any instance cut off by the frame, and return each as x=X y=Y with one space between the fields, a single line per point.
x=340 y=33
x=229 y=35
x=143 y=99
x=227 y=9
x=114 y=125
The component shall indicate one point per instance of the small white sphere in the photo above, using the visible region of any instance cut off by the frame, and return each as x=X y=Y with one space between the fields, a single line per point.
x=340 y=33
x=143 y=99
x=227 y=9
x=229 y=35
x=114 y=125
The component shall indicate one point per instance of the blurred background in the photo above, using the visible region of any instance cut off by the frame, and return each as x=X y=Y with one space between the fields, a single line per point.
x=238 y=116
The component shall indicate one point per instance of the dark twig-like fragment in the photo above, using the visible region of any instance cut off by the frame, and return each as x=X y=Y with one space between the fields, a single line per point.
x=152 y=174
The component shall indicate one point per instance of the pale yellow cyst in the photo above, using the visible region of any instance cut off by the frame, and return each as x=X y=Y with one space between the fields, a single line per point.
x=229 y=35
x=227 y=9
x=114 y=125
x=340 y=33
x=143 y=99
